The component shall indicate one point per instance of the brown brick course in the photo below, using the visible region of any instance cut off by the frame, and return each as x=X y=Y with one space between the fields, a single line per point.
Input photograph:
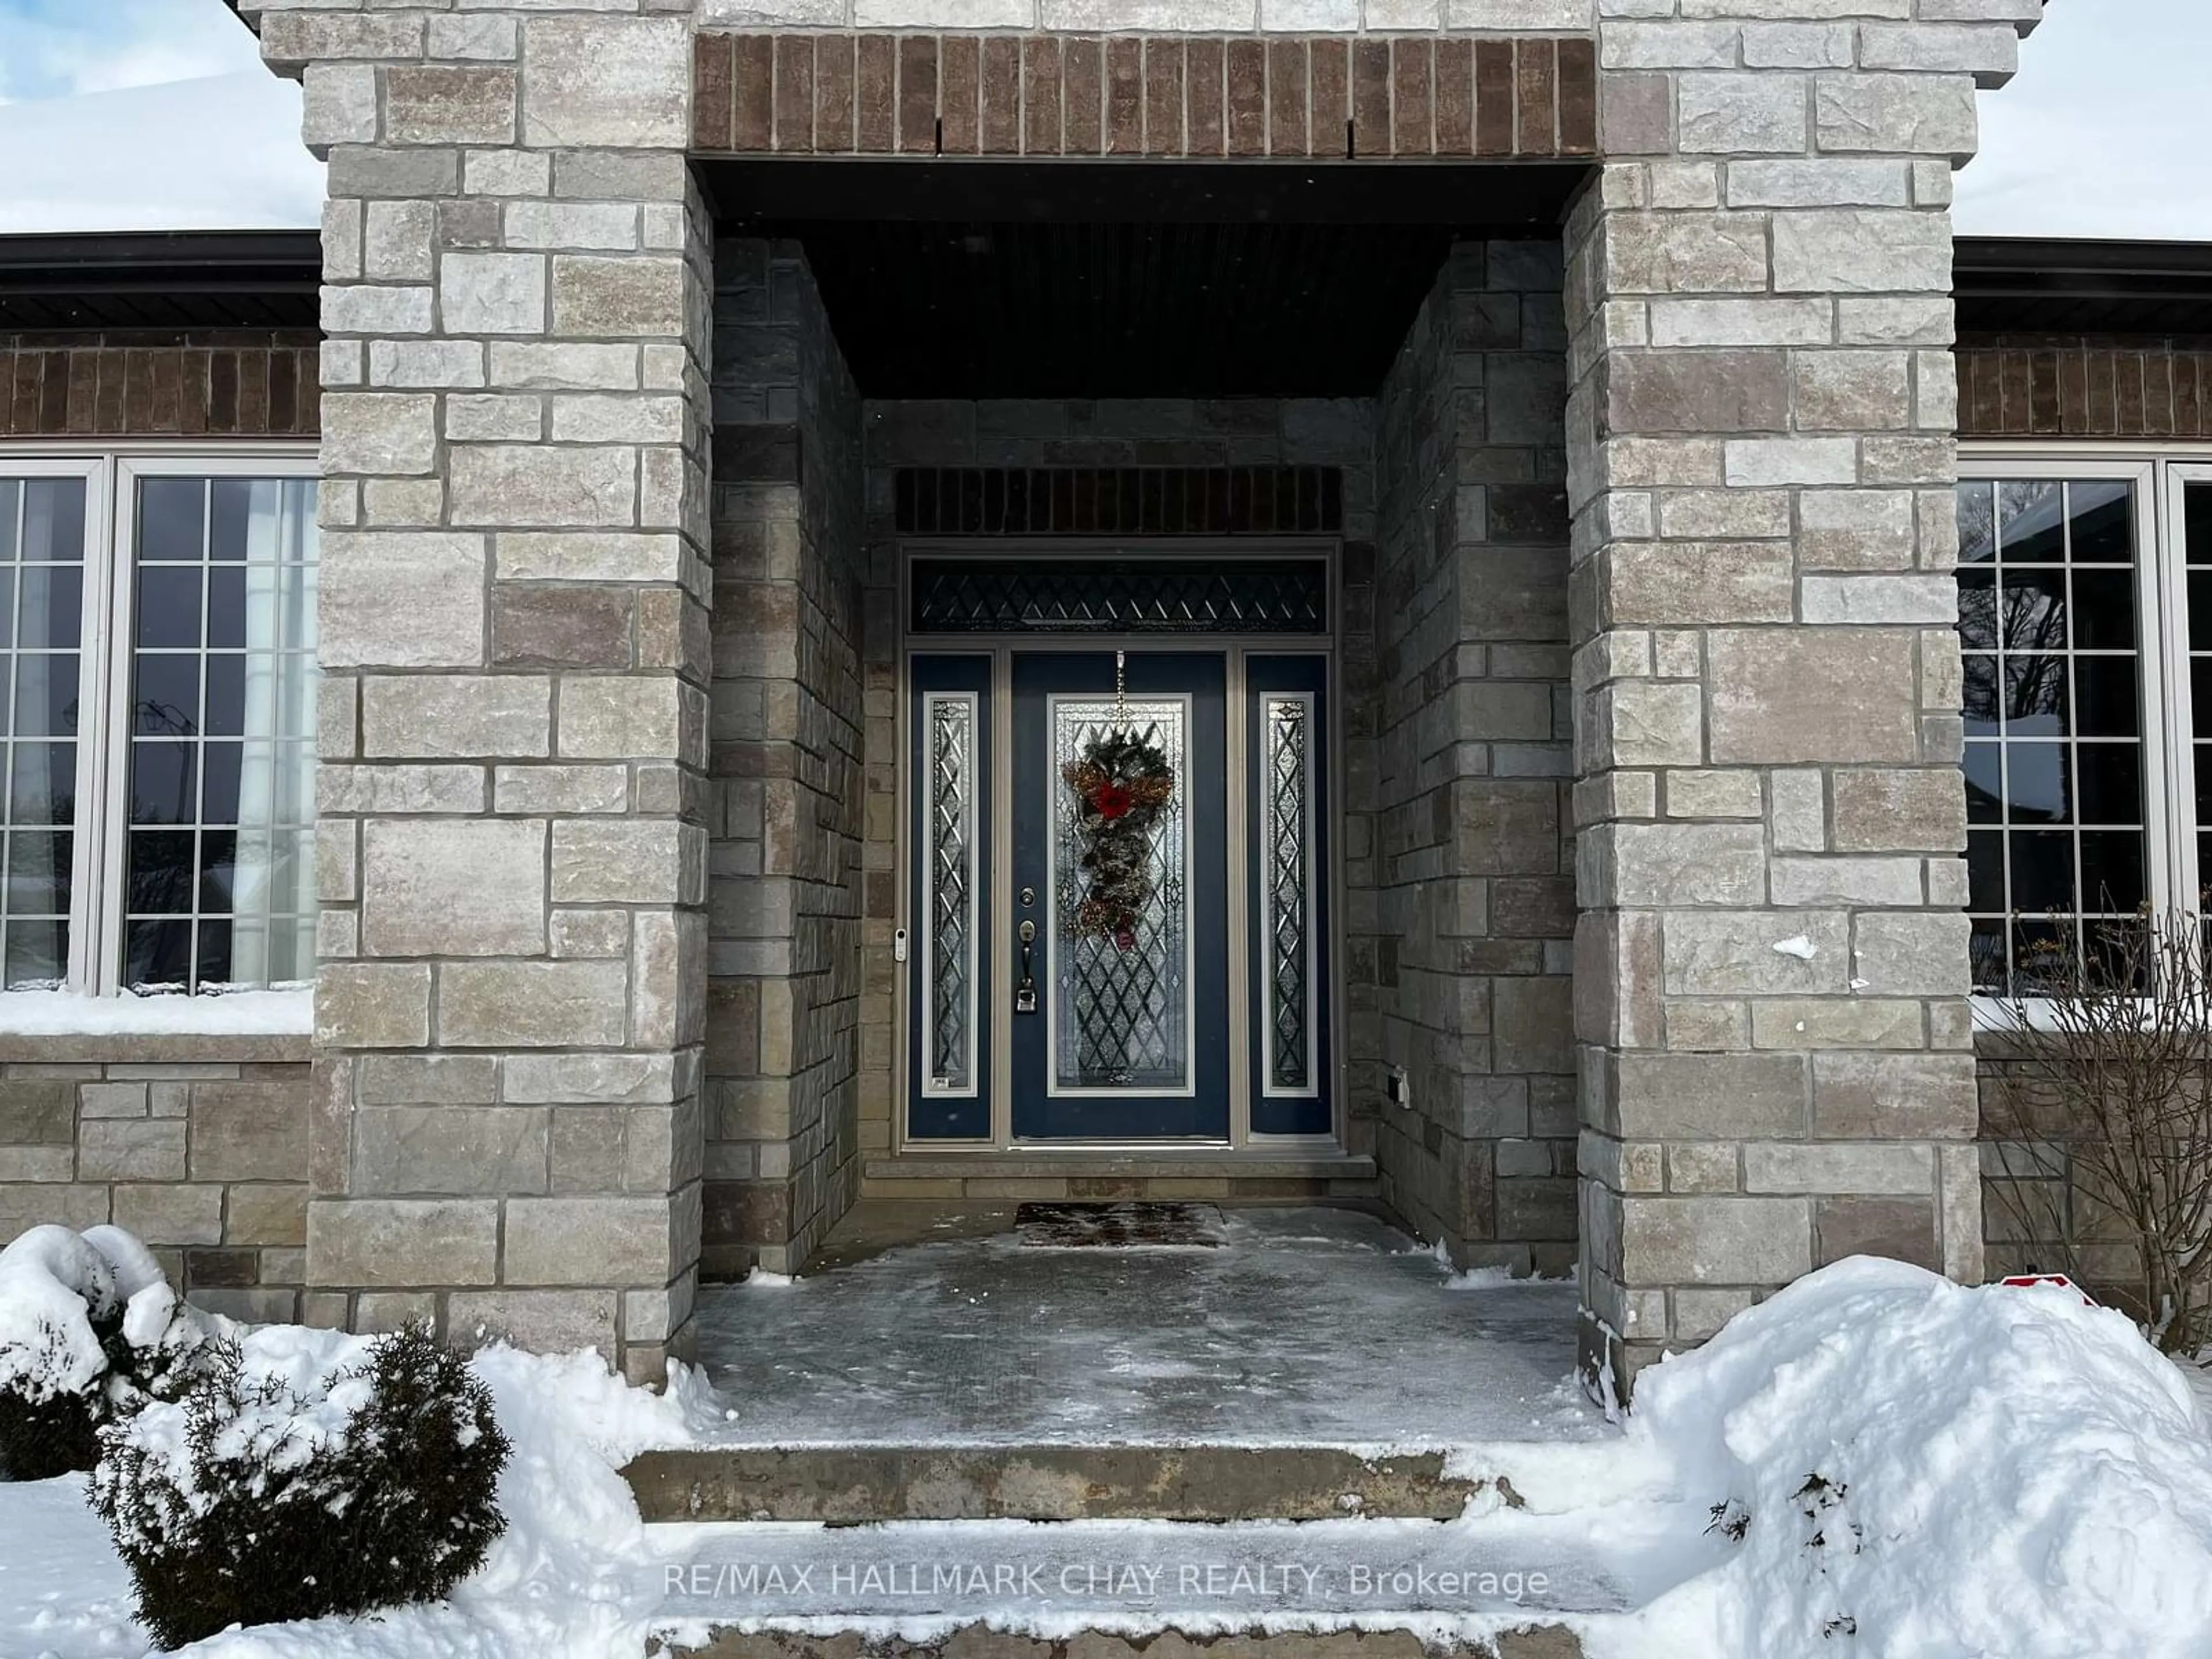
x=1091 y=95
x=226 y=383
x=2074 y=386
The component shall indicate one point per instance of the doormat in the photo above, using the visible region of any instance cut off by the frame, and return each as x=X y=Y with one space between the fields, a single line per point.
x=1061 y=1227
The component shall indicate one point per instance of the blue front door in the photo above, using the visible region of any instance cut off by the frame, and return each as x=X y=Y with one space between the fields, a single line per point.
x=1119 y=998
x=1167 y=980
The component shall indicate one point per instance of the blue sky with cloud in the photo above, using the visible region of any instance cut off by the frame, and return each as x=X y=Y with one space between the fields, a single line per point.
x=138 y=113
x=55 y=48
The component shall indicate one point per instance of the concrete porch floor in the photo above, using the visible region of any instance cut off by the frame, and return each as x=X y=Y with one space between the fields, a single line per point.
x=1305 y=1327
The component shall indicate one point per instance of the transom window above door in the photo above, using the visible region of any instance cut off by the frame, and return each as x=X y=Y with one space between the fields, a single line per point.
x=157 y=717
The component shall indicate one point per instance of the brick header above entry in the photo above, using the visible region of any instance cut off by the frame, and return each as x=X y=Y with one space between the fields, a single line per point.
x=1324 y=97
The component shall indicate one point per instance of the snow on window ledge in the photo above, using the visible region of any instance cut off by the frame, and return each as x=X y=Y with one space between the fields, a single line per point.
x=287 y=1012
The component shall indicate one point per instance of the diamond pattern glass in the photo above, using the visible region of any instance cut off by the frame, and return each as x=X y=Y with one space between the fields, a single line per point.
x=1122 y=1021
x=1285 y=924
x=950 y=956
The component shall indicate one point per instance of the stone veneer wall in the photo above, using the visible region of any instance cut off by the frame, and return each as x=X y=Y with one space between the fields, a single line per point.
x=197 y=1145
x=1471 y=858
x=784 y=890
x=1106 y=432
x=510 y=1016
x=1771 y=971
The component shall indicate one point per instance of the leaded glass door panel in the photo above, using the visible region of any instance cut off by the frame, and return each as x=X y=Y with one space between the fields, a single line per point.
x=1287 y=861
x=950 y=904
x=1119 y=1005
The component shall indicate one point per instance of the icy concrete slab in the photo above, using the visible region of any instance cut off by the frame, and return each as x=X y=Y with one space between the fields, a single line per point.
x=1305 y=1327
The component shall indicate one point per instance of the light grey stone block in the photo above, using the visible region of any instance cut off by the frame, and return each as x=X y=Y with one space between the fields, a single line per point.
x=528 y=485
x=454 y=887
x=542 y=1321
x=590 y=1240
x=170 y=1214
x=1895 y=115
x=1716 y=1241
x=532 y=1005
x=1731 y=952
x=1688 y=863
x=592 y=1079
x=380 y=1243
x=1912 y=955
x=131 y=1149
x=443 y=716
x=379 y=432
x=492 y=292
x=618 y=83
x=466 y=1151
x=1740 y=114
x=360 y=1004
x=404 y=600
x=426 y=1080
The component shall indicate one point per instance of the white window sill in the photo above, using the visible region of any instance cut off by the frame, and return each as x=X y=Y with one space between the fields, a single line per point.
x=242 y=1013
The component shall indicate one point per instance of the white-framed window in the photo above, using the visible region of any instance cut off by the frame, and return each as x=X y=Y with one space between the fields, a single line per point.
x=158 y=719
x=2085 y=606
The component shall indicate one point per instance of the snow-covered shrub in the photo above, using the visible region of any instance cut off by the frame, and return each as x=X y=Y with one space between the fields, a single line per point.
x=303 y=1473
x=89 y=1331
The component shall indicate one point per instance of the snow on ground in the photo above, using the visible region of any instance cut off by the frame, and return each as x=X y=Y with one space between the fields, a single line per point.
x=63 y=1594
x=236 y=1013
x=1917 y=1471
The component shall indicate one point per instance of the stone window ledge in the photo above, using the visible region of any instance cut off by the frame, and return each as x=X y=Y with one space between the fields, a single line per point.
x=59 y=1028
x=153 y=1048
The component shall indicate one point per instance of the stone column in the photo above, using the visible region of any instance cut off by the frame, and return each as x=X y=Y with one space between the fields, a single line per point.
x=512 y=850
x=1771 y=978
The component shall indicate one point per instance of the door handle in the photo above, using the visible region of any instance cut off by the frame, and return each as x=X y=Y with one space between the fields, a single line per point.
x=1026 y=988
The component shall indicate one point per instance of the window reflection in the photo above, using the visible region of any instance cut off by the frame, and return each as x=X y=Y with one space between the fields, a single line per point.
x=2048 y=607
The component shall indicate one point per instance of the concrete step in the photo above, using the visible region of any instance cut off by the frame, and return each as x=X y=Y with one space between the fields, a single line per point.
x=1227 y=1178
x=1502 y=1584
x=858 y=1484
x=981 y=1640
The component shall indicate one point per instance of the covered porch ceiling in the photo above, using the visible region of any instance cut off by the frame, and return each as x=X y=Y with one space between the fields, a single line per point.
x=981 y=279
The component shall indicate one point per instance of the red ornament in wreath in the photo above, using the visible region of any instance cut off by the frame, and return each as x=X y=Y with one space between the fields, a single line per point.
x=1121 y=785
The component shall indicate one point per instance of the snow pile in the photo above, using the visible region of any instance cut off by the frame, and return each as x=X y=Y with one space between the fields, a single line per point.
x=1920 y=1470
